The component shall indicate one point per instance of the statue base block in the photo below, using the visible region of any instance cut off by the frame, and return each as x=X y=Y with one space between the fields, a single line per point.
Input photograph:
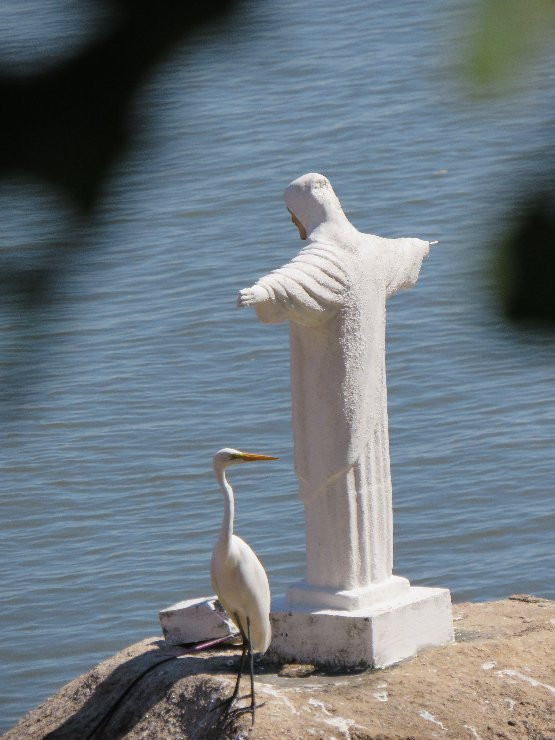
x=316 y=597
x=195 y=620
x=372 y=637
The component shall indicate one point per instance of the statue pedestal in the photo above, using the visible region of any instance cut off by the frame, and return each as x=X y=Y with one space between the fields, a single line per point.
x=318 y=597
x=371 y=637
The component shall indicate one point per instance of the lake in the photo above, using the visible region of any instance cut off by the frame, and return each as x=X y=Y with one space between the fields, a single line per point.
x=142 y=367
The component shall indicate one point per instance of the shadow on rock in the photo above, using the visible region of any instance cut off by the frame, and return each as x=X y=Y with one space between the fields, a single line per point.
x=150 y=687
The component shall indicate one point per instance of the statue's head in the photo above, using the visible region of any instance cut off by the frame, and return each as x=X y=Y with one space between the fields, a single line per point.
x=311 y=201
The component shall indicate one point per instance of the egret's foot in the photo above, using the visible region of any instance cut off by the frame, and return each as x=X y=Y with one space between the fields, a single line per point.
x=230 y=713
x=229 y=701
x=239 y=711
x=224 y=703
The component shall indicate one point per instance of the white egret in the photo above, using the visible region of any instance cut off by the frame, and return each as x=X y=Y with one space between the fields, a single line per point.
x=238 y=577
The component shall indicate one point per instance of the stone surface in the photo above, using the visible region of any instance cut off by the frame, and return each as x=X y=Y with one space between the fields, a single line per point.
x=297 y=670
x=195 y=620
x=374 y=637
x=496 y=681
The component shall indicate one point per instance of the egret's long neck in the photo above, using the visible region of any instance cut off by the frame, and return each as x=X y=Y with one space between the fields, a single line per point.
x=227 y=523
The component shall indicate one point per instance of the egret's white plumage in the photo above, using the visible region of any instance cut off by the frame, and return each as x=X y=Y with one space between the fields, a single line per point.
x=242 y=587
x=238 y=577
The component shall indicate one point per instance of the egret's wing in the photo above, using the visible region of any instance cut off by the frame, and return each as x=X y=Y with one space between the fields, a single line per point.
x=251 y=594
x=241 y=583
x=218 y=584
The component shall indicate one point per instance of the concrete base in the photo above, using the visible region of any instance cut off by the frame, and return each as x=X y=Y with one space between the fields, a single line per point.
x=373 y=637
x=315 y=597
x=195 y=620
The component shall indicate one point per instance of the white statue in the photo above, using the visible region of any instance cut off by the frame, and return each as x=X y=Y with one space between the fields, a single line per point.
x=333 y=293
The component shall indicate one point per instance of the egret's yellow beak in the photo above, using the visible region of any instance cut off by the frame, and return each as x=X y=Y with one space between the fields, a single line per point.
x=249 y=457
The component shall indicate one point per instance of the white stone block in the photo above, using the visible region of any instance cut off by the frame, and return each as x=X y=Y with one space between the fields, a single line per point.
x=304 y=595
x=195 y=620
x=373 y=637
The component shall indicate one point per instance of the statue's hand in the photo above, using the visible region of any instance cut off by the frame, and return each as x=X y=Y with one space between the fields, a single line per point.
x=250 y=296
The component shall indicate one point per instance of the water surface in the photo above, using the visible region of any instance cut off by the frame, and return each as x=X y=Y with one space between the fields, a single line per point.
x=146 y=368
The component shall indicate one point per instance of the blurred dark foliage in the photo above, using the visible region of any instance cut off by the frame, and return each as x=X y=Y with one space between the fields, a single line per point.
x=505 y=36
x=526 y=264
x=67 y=125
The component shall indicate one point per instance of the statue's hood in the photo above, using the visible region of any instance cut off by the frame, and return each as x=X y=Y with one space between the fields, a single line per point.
x=312 y=200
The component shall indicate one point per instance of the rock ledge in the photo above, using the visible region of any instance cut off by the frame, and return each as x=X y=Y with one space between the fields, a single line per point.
x=496 y=681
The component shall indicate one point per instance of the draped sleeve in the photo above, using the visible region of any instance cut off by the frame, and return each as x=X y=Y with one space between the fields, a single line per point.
x=308 y=290
x=402 y=260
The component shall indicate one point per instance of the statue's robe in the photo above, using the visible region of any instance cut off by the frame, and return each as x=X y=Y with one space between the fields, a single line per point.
x=333 y=293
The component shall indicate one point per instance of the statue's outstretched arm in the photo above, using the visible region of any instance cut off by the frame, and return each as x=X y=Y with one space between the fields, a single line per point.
x=307 y=290
x=403 y=261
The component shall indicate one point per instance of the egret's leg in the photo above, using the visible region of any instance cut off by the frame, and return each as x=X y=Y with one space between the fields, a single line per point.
x=251 y=655
x=229 y=701
x=241 y=664
x=247 y=646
